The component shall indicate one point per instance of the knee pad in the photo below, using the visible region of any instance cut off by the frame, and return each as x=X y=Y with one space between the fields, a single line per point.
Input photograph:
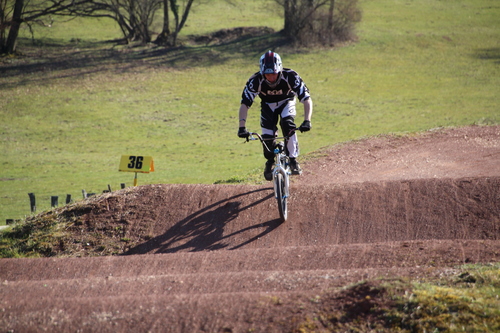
x=287 y=124
x=292 y=148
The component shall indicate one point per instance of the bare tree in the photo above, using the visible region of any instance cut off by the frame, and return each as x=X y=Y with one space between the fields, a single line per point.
x=14 y=13
x=8 y=41
x=134 y=17
x=168 y=36
x=310 y=22
x=298 y=14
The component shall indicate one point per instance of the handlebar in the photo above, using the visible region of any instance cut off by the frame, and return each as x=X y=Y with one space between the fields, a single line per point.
x=251 y=134
x=292 y=132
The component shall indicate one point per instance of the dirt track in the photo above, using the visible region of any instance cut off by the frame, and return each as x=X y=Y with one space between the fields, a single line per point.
x=382 y=207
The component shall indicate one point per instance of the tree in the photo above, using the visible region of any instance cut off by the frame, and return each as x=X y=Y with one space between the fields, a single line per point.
x=8 y=43
x=323 y=22
x=13 y=13
x=134 y=17
x=166 y=37
x=298 y=14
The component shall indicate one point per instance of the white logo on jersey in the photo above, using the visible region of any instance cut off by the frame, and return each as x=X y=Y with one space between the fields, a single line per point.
x=297 y=82
x=275 y=92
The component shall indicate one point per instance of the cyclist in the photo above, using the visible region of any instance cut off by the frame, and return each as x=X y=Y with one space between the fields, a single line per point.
x=277 y=88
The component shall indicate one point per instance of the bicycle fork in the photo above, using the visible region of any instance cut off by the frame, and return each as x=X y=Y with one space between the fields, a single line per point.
x=282 y=168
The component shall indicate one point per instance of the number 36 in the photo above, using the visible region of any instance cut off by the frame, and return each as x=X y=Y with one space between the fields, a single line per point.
x=135 y=162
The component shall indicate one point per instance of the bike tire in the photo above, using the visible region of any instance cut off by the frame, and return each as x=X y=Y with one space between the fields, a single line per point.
x=281 y=196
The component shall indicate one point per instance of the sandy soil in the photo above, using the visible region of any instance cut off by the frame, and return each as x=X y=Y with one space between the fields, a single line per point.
x=216 y=258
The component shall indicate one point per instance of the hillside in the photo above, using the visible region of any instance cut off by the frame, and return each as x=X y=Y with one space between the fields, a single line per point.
x=215 y=258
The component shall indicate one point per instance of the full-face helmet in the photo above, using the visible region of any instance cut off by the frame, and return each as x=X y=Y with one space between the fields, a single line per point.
x=270 y=63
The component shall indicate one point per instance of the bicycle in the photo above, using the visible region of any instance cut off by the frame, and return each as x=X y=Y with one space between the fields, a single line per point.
x=281 y=171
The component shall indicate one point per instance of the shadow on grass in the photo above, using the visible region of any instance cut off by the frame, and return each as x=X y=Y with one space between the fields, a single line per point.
x=204 y=229
x=488 y=54
x=51 y=60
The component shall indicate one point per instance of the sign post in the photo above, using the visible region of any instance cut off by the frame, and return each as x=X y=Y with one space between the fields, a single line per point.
x=136 y=163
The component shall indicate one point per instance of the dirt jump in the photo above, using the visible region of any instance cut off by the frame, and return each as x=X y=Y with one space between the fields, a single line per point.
x=216 y=258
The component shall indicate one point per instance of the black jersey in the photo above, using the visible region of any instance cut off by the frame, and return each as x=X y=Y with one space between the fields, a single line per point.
x=289 y=85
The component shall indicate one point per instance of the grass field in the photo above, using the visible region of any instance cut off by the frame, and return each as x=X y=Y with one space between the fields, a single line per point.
x=416 y=66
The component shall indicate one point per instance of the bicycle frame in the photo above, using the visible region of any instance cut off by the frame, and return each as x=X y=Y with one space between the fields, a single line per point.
x=282 y=166
x=281 y=171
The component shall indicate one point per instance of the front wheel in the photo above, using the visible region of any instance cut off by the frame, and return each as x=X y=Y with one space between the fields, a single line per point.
x=281 y=195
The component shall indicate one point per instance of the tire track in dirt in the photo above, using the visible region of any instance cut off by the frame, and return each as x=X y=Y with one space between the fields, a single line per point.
x=185 y=291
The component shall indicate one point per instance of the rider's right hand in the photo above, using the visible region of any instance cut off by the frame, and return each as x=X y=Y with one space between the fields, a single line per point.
x=243 y=133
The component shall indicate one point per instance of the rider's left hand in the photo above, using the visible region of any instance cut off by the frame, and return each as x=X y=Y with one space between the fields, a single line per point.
x=306 y=126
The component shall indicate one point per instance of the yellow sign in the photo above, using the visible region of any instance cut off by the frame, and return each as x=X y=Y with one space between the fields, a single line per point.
x=137 y=163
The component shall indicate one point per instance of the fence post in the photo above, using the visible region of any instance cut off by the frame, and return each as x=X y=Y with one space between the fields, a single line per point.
x=122 y=185
x=84 y=194
x=109 y=188
x=68 y=199
x=54 y=201
x=32 y=202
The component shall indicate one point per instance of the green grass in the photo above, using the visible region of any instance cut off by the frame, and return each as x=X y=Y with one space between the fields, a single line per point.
x=416 y=66
x=466 y=301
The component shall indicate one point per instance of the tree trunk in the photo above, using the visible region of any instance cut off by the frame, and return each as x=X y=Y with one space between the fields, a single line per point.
x=3 y=26
x=10 y=45
x=162 y=38
x=175 y=10
x=166 y=19
x=330 y=15
x=289 y=6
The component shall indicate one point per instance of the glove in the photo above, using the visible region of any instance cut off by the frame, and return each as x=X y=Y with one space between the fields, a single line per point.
x=243 y=133
x=306 y=126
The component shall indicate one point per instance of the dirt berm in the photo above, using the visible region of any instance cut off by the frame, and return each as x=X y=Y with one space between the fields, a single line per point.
x=215 y=258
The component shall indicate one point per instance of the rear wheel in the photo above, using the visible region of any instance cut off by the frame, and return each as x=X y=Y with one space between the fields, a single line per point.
x=281 y=197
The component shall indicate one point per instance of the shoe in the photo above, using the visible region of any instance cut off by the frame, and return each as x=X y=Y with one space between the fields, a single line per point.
x=295 y=167
x=268 y=170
